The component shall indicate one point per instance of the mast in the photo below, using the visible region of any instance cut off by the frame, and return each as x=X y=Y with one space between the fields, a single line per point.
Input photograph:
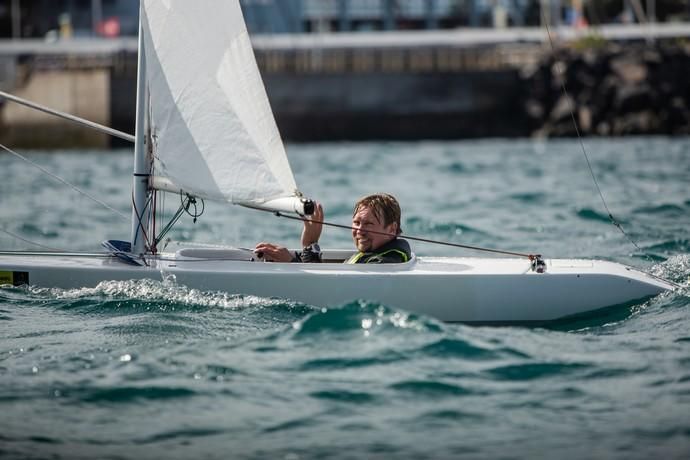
x=142 y=169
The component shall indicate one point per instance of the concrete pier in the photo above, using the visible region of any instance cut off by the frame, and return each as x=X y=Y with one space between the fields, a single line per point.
x=83 y=93
x=89 y=80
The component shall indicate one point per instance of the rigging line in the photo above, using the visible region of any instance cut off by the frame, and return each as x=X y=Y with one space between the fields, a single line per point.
x=569 y=101
x=30 y=242
x=414 y=238
x=173 y=220
x=186 y=201
x=63 y=181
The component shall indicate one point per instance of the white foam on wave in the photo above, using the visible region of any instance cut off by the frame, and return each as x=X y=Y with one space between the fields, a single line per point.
x=168 y=291
x=676 y=268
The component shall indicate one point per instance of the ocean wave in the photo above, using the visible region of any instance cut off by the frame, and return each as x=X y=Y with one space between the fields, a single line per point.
x=343 y=363
x=187 y=433
x=676 y=269
x=449 y=415
x=529 y=197
x=534 y=370
x=361 y=317
x=667 y=209
x=31 y=230
x=347 y=396
x=591 y=214
x=431 y=388
x=415 y=224
x=455 y=347
x=668 y=247
x=387 y=337
x=127 y=394
x=455 y=167
x=293 y=424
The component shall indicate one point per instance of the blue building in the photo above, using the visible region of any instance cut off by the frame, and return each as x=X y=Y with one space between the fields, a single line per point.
x=111 y=18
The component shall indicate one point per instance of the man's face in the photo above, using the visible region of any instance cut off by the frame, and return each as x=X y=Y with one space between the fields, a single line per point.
x=363 y=223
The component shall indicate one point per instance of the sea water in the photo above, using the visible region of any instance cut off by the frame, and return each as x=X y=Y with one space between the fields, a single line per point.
x=160 y=370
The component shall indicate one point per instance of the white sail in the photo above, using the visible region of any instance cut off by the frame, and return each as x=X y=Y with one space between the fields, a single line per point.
x=214 y=131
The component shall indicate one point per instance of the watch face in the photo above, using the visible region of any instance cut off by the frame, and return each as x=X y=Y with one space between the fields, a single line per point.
x=314 y=247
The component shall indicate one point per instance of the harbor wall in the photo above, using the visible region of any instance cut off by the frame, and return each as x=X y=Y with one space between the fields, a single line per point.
x=384 y=93
x=396 y=106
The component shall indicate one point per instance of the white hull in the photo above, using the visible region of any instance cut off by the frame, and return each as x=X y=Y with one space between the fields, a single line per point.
x=450 y=289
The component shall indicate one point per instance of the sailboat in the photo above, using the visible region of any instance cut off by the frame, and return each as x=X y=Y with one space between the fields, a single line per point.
x=205 y=130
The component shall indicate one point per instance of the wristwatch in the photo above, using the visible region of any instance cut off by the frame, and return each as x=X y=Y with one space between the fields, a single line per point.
x=314 y=248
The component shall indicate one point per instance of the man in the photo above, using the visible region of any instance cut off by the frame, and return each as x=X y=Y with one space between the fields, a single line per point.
x=375 y=231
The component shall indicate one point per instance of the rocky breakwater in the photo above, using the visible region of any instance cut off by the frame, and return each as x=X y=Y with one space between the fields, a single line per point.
x=613 y=90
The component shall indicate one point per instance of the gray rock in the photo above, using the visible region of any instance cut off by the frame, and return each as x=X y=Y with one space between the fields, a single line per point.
x=630 y=69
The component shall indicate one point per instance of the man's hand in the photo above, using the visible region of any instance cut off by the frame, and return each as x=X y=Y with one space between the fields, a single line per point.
x=272 y=252
x=312 y=227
